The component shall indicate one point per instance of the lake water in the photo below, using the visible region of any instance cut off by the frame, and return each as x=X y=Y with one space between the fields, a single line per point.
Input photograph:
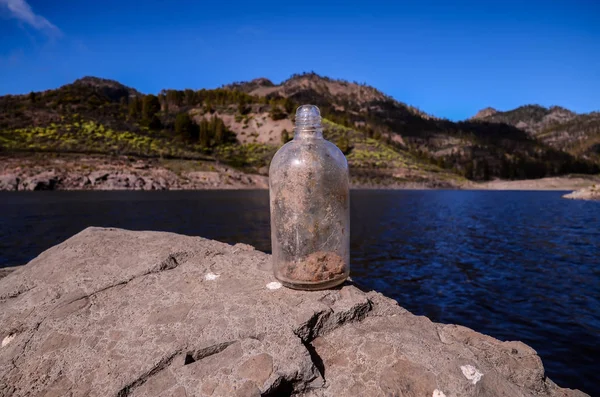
x=514 y=265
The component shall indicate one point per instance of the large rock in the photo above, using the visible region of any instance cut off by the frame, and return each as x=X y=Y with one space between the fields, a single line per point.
x=117 y=313
x=43 y=181
x=588 y=193
x=9 y=182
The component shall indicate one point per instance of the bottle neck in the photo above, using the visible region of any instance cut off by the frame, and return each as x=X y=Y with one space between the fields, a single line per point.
x=308 y=133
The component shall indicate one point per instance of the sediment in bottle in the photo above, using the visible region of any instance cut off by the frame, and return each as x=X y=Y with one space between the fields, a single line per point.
x=319 y=266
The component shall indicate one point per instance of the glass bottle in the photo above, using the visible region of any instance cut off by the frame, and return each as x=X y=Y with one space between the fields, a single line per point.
x=310 y=203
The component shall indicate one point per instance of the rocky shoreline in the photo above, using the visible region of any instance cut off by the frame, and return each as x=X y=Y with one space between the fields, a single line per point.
x=87 y=172
x=111 y=312
x=121 y=173
x=589 y=193
x=95 y=172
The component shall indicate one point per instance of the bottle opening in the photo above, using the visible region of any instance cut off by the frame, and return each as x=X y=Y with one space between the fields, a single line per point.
x=308 y=121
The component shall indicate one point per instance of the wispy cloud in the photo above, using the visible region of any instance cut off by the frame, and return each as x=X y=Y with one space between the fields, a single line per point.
x=20 y=10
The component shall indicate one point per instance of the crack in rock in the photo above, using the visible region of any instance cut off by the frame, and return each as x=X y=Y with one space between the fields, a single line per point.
x=316 y=359
x=192 y=357
x=282 y=387
x=326 y=321
x=20 y=290
x=161 y=365
x=170 y=263
x=91 y=294
x=167 y=361
x=319 y=324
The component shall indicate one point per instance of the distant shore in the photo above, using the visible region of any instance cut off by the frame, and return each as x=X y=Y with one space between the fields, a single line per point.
x=567 y=182
x=587 y=193
x=79 y=172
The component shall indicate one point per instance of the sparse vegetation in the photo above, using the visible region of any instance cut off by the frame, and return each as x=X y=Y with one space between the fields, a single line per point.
x=185 y=127
x=285 y=137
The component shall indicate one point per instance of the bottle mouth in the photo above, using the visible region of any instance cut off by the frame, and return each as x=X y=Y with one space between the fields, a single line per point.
x=308 y=116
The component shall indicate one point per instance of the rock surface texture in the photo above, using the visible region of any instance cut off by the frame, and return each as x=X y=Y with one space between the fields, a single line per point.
x=120 y=173
x=117 y=313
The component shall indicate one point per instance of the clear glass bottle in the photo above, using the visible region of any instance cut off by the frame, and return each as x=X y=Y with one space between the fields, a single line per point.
x=310 y=208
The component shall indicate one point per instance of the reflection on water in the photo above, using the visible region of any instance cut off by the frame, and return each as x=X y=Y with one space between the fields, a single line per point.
x=515 y=265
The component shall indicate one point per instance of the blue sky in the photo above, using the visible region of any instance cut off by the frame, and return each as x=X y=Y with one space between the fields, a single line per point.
x=449 y=58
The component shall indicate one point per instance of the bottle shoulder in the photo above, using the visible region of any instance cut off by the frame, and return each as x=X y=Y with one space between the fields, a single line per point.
x=309 y=153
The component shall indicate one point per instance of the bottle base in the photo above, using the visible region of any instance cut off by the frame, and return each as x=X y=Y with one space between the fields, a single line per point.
x=312 y=286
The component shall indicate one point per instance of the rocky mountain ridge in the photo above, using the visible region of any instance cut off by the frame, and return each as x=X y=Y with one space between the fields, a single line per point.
x=386 y=141
x=556 y=126
x=342 y=95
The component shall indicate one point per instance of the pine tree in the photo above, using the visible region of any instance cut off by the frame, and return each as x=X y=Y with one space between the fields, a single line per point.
x=204 y=135
x=285 y=137
x=185 y=127
x=343 y=143
x=189 y=97
x=242 y=105
x=276 y=113
x=134 y=107
x=289 y=105
x=219 y=130
x=150 y=106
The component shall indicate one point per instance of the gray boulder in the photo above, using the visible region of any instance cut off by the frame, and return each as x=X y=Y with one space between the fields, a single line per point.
x=9 y=182
x=122 y=181
x=588 y=193
x=117 y=313
x=43 y=181
x=98 y=176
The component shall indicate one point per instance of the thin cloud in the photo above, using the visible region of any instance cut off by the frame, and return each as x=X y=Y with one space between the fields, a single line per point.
x=20 y=10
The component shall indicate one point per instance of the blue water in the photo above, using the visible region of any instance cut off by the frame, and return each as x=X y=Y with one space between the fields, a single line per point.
x=514 y=265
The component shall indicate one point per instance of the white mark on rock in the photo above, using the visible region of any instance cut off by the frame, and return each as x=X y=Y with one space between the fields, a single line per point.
x=211 y=276
x=471 y=373
x=438 y=393
x=7 y=339
x=274 y=285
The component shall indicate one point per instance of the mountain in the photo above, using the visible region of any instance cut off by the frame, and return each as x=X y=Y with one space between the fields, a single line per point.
x=531 y=118
x=578 y=134
x=483 y=113
x=242 y=124
x=471 y=148
x=89 y=97
x=341 y=95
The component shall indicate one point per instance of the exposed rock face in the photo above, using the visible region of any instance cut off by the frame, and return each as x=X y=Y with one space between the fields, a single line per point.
x=483 y=113
x=43 y=181
x=588 y=193
x=9 y=182
x=101 y=173
x=555 y=126
x=117 y=313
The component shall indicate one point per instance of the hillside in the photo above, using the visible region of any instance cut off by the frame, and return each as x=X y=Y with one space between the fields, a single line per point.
x=578 y=134
x=473 y=149
x=387 y=142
